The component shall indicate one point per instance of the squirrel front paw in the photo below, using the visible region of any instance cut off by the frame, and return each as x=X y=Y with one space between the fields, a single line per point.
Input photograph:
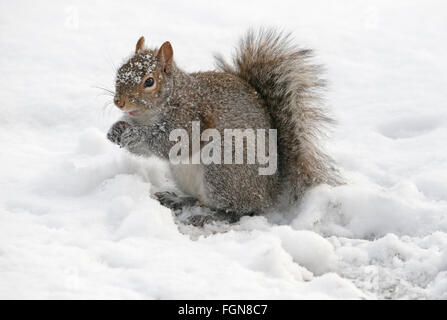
x=116 y=131
x=131 y=137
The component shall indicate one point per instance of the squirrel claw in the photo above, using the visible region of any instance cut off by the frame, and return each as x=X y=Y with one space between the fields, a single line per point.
x=115 y=132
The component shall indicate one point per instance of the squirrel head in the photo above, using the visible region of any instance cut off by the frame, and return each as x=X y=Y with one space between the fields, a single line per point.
x=144 y=81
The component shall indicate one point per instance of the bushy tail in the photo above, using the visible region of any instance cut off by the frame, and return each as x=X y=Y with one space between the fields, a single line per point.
x=290 y=85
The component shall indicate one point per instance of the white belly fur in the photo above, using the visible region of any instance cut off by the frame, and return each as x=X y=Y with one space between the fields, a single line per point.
x=190 y=180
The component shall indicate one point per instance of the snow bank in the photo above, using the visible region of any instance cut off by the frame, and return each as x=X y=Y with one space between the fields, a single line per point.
x=77 y=219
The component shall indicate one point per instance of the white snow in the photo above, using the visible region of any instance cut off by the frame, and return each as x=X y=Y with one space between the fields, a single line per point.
x=76 y=215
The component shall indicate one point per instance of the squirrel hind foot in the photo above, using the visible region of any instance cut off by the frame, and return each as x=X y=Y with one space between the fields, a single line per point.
x=180 y=204
x=174 y=202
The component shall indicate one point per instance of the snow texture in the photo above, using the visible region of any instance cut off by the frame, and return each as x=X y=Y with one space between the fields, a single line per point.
x=77 y=219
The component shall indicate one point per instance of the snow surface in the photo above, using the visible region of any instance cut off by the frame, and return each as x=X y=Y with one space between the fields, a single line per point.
x=76 y=216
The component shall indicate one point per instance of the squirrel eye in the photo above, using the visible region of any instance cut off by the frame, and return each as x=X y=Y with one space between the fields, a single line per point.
x=149 y=82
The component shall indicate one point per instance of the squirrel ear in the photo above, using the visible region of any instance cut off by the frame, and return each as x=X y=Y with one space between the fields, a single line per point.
x=140 y=45
x=165 y=55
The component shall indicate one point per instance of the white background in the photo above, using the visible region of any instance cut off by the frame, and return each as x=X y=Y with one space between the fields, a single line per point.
x=76 y=216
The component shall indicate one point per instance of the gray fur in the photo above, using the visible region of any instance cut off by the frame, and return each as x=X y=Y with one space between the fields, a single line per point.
x=291 y=87
x=271 y=86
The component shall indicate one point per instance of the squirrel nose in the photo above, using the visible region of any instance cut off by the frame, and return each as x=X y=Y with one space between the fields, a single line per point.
x=120 y=102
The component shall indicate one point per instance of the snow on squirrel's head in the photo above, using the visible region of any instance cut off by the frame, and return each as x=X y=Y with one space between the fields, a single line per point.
x=143 y=81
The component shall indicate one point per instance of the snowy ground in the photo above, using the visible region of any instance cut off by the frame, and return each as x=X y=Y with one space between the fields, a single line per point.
x=76 y=216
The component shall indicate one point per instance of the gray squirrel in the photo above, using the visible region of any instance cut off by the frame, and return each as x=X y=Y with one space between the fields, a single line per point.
x=271 y=84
